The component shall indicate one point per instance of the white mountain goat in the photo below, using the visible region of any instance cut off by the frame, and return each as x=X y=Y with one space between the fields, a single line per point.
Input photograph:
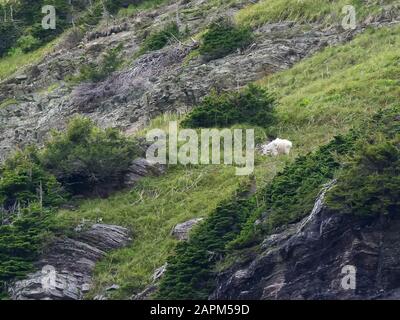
x=277 y=147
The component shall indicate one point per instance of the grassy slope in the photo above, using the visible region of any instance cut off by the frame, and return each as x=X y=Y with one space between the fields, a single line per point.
x=151 y=210
x=319 y=98
x=323 y=96
x=336 y=88
x=9 y=65
x=306 y=10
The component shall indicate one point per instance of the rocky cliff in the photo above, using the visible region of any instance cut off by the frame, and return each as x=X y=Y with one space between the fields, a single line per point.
x=161 y=81
x=66 y=266
x=306 y=260
x=303 y=261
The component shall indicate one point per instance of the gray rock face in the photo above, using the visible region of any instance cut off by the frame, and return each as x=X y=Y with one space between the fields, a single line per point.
x=146 y=293
x=151 y=288
x=141 y=168
x=66 y=266
x=156 y=83
x=181 y=231
x=159 y=272
x=306 y=260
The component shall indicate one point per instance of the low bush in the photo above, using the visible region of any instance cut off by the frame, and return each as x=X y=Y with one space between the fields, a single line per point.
x=28 y=43
x=369 y=185
x=224 y=37
x=22 y=241
x=190 y=273
x=87 y=159
x=93 y=16
x=9 y=33
x=253 y=105
x=23 y=181
x=95 y=73
x=159 y=39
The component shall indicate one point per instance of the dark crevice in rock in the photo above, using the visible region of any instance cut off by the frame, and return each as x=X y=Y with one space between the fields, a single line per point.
x=305 y=260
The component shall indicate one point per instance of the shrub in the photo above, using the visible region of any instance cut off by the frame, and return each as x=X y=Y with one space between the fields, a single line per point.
x=87 y=159
x=224 y=37
x=24 y=181
x=253 y=105
x=9 y=34
x=291 y=194
x=110 y=63
x=190 y=273
x=28 y=43
x=159 y=39
x=21 y=242
x=93 y=16
x=370 y=183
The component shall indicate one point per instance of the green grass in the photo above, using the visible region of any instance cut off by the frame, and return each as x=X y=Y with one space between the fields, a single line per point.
x=50 y=88
x=319 y=98
x=151 y=210
x=10 y=64
x=158 y=39
x=133 y=9
x=337 y=88
x=305 y=11
x=8 y=102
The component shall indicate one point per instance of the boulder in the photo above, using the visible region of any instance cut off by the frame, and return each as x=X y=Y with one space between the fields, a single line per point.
x=181 y=231
x=146 y=293
x=159 y=272
x=65 y=268
x=141 y=168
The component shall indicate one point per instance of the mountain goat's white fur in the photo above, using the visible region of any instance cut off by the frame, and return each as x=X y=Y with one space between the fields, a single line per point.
x=277 y=147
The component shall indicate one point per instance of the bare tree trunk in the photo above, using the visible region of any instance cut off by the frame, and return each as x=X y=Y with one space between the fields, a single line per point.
x=41 y=195
x=18 y=210
x=106 y=14
x=5 y=7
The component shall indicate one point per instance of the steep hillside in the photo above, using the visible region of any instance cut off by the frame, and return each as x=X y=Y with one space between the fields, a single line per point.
x=352 y=226
x=313 y=109
x=155 y=62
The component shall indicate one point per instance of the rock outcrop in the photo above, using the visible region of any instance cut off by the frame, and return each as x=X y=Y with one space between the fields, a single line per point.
x=181 y=231
x=151 y=288
x=306 y=260
x=66 y=266
x=141 y=168
x=167 y=80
